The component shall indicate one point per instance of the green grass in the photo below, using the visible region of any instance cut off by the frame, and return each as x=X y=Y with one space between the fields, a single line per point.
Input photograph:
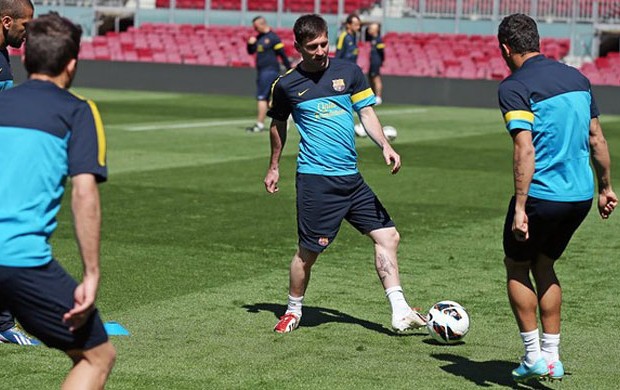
x=195 y=259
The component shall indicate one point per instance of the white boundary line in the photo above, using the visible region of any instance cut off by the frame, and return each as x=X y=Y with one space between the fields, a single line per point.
x=226 y=122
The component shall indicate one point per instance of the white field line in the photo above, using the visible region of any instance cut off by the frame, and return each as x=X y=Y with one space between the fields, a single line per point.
x=227 y=122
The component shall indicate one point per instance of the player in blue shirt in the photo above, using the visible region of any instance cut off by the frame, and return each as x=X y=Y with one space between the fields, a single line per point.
x=346 y=46
x=322 y=95
x=377 y=56
x=268 y=47
x=46 y=135
x=551 y=115
x=14 y=15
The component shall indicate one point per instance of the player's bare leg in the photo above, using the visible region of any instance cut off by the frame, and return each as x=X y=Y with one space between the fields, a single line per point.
x=550 y=306
x=299 y=277
x=386 y=263
x=91 y=367
x=524 y=302
x=377 y=86
x=262 y=107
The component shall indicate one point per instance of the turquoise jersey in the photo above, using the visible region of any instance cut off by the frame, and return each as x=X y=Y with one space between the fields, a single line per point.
x=554 y=102
x=322 y=105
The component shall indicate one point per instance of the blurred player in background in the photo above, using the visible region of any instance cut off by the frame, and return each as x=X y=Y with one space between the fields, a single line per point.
x=346 y=46
x=268 y=47
x=14 y=15
x=552 y=117
x=322 y=95
x=377 y=56
x=47 y=134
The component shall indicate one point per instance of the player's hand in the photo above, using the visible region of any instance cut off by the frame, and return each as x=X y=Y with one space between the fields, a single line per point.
x=84 y=304
x=607 y=202
x=252 y=40
x=271 y=180
x=391 y=158
x=520 y=226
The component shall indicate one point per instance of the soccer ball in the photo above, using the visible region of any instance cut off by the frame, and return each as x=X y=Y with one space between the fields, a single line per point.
x=448 y=322
x=360 y=131
x=390 y=132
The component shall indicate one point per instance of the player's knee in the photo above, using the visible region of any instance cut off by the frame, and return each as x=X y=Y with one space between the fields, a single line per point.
x=103 y=357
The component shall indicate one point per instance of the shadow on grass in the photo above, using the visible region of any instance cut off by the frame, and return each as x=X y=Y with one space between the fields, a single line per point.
x=315 y=316
x=485 y=374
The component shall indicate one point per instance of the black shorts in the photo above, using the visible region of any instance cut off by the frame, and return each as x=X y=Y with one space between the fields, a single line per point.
x=38 y=297
x=551 y=226
x=264 y=79
x=324 y=201
x=375 y=69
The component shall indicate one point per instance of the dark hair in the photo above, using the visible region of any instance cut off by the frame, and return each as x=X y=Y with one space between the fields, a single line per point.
x=309 y=27
x=14 y=8
x=351 y=17
x=519 y=31
x=51 y=42
x=257 y=18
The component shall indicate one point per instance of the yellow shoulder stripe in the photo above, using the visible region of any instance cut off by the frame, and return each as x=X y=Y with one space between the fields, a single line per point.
x=100 y=133
x=341 y=40
x=519 y=115
x=380 y=45
x=362 y=95
x=278 y=46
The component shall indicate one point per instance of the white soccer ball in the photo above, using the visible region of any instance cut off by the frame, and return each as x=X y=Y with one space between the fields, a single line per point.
x=360 y=131
x=390 y=132
x=448 y=322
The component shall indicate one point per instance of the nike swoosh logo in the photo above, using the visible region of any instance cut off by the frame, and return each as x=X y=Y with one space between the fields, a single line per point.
x=302 y=92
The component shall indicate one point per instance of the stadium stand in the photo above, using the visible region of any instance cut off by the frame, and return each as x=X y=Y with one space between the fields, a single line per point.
x=327 y=6
x=407 y=54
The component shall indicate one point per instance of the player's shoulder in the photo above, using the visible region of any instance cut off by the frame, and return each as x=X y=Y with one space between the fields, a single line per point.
x=343 y=66
x=285 y=79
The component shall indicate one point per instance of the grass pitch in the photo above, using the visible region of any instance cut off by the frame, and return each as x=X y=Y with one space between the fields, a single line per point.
x=195 y=259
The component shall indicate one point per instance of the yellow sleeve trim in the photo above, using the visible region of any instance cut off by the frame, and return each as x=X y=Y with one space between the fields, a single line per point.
x=278 y=46
x=380 y=45
x=341 y=40
x=100 y=133
x=362 y=95
x=519 y=115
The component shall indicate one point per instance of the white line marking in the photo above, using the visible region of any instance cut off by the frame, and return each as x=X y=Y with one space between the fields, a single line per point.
x=226 y=122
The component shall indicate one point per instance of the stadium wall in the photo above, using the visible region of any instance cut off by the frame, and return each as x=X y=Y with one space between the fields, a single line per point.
x=241 y=82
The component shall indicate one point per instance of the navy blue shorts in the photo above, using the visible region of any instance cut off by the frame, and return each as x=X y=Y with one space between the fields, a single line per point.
x=375 y=69
x=551 y=225
x=38 y=297
x=324 y=201
x=264 y=79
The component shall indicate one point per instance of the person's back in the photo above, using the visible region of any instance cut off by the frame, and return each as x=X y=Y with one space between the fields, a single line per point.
x=34 y=136
x=559 y=98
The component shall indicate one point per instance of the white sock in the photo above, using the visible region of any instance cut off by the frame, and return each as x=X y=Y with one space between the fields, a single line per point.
x=400 y=307
x=551 y=347
x=260 y=125
x=378 y=100
x=294 y=305
x=531 y=341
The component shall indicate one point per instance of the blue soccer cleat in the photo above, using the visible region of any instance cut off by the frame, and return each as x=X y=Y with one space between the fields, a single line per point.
x=524 y=373
x=556 y=371
x=17 y=336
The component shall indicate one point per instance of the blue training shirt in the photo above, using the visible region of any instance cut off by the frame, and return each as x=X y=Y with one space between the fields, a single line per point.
x=322 y=106
x=555 y=103
x=46 y=133
x=6 y=75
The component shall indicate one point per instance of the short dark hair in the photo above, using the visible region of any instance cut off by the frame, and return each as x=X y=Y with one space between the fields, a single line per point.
x=351 y=17
x=519 y=31
x=14 y=8
x=51 y=42
x=257 y=18
x=309 y=26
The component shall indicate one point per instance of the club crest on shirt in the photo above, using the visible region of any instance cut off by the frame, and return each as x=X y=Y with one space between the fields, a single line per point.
x=267 y=41
x=338 y=85
x=323 y=241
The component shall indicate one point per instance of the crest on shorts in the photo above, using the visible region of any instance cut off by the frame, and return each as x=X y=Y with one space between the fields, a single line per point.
x=338 y=85
x=323 y=241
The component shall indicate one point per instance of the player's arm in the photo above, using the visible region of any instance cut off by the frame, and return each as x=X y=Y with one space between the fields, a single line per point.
x=277 y=136
x=251 y=45
x=86 y=209
x=340 y=49
x=371 y=123
x=607 y=199
x=381 y=50
x=523 y=171
x=279 y=49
